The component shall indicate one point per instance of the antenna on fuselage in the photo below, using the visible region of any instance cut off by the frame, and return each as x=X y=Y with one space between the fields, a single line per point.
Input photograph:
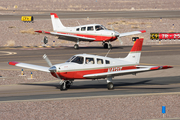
x=78 y=23
x=108 y=52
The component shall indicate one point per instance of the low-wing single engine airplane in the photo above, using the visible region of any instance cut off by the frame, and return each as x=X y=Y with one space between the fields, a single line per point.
x=86 y=66
x=88 y=33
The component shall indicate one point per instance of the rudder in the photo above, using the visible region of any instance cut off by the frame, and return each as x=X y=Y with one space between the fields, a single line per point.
x=135 y=53
x=56 y=22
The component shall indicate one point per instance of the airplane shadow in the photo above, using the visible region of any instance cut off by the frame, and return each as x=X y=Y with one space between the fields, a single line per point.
x=94 y=47
x=140 y=84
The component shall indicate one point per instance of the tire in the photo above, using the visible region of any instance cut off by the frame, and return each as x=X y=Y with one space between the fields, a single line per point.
x=62 y=88
x=110 y=86
x=76 y=46
x=68 y=84
x=106 y=45
x=109 y=46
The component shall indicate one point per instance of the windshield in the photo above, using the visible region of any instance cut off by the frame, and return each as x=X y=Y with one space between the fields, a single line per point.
x=100 y=27
x=76 y=59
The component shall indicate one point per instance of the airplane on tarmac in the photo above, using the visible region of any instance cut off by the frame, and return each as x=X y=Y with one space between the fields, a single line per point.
x=86 y=66
x=88 y=33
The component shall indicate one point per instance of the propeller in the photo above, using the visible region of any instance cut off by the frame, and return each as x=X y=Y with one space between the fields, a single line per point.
x=52 y=68
x=117 y=34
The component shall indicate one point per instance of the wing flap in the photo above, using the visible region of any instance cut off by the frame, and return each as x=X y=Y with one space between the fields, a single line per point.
x=125 y=72
x=30 y=66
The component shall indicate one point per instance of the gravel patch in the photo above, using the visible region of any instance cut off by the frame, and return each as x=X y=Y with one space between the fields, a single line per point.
x=93 y=5
x=14 y=77
x=108 y=108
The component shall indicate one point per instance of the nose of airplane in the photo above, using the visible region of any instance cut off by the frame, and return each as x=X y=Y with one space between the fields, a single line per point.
x=52 y=69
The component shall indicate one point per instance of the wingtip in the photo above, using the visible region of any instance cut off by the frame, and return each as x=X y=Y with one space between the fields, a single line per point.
x=13 y=63
x=142 y=31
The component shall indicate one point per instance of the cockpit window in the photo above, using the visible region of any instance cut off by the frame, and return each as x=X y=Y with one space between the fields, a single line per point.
x=76 y=59
x=100 y=27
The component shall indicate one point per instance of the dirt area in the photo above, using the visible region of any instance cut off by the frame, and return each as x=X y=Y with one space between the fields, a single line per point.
x=17 y=33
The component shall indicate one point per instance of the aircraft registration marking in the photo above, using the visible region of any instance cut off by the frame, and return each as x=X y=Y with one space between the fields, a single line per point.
x=114 y=69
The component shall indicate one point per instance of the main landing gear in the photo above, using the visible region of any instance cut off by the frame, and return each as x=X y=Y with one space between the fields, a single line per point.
x=64 y=85
x=110 y=85
x=76 y=46
x=107 y=45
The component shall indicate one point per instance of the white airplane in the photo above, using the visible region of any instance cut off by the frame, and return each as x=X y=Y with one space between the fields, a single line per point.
x=88 y=33
x=86 y=66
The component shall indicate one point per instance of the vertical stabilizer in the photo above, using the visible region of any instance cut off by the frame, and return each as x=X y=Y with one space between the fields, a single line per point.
x=56 y=22
x=135 y=53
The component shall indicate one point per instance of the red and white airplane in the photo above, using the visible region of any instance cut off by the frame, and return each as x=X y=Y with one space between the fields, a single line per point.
x=86 y=66
x=88 y=33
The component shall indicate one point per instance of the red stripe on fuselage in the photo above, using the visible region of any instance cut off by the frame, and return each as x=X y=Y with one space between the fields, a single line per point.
x=80 y=74
x=97 y=37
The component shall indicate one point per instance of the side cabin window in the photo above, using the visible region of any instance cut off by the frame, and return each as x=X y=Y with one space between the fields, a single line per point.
x=89 y=60
x=90 y=28
x=107 y=62
x=77 y=29
x=76 y=59
x=83 y=29
x=99 y=61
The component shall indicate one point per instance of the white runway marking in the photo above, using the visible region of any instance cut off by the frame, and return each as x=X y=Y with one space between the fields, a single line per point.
x=2 y=53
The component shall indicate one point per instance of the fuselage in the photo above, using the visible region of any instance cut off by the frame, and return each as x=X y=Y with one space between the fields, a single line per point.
x=82 y=64
x=96 y=31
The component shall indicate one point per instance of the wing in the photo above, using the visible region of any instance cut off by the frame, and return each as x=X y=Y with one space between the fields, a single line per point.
x=30 y=66
x=69 y=37
x=131 y=33
x=125 y=72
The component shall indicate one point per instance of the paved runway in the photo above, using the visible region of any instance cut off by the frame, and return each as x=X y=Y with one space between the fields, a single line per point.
x=93 y=14
x=162 y=81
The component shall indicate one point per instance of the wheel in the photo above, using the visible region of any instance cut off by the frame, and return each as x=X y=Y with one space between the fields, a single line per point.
x=76 y=46
x=110 y=86
x=68 y=84
x=63 y=87
x=105 y=45
x=134 y=38
x=109 y=46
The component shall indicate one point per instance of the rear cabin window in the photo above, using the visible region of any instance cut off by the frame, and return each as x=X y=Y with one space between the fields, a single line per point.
x=77 y=29
x=83 y=29
x=99 y=61
x=90 y=28
x=89 y=60
x=107 y=62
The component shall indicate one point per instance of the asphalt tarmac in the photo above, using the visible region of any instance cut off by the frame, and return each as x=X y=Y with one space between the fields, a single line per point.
x=162 y=81
x=16 y=15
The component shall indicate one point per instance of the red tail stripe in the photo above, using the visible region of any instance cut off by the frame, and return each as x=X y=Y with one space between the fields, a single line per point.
x=55 y=15
x=138 y=45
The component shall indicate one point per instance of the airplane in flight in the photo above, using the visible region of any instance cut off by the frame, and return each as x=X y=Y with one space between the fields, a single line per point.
x=87 y=33
x=86 y=66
